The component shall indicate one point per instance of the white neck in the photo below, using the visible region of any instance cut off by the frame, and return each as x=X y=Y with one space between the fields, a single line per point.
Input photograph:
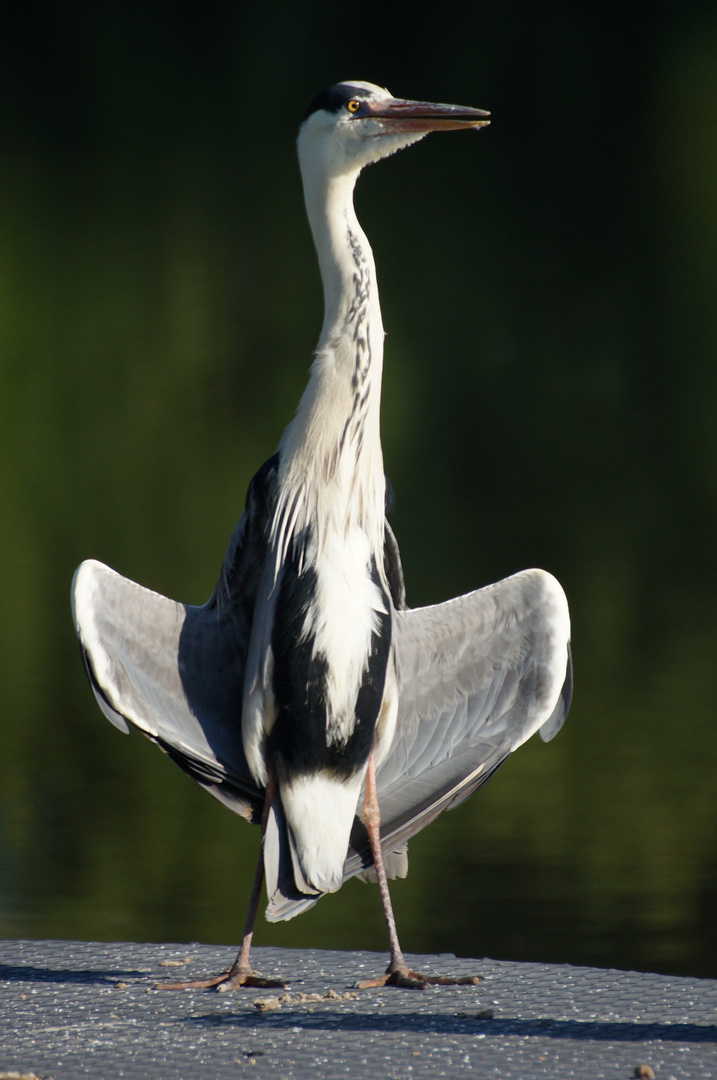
x=342 y=249
x=331 y=451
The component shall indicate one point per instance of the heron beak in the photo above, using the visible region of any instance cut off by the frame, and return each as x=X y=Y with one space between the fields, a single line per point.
x=401 y=115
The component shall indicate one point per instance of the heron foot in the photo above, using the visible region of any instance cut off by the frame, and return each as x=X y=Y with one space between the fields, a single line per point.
x=415 y=980
x=228 y=980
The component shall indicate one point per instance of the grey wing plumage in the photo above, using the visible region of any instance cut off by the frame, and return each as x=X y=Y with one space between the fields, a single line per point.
x=148 y=660
x=476 y=677
x=177 y=672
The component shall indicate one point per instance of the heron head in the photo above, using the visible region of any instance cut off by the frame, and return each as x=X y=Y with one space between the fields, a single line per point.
x=356 y=123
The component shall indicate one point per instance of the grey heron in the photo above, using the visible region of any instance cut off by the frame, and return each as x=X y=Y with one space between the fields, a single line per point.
x=305 y=695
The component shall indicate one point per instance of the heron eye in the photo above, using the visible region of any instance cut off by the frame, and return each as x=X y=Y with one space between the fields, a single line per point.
x=353 y=105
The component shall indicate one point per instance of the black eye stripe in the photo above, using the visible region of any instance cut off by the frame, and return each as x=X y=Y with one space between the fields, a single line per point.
x=336 y=98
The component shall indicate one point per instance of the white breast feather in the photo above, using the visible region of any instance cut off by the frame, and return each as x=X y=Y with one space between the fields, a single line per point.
x=342 y=620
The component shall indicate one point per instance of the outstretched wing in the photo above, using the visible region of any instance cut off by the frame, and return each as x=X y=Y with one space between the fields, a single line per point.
x=177 y=672
x=476 y=677
x=149 y=661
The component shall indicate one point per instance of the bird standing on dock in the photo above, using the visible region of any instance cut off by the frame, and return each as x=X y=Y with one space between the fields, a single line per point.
x=304 y=694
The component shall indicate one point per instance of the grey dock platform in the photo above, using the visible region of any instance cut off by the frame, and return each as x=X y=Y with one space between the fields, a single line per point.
x=71 y=1010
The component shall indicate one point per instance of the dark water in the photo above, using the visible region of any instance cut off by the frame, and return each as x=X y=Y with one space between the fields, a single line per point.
x=549 y=399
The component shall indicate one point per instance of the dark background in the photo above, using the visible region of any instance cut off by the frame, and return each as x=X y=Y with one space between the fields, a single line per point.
x=549 y=292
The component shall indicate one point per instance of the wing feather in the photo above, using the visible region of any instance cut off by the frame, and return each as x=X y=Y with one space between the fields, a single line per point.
x=174 y=672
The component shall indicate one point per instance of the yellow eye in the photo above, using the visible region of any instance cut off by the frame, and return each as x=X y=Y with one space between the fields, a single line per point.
x=353 y=105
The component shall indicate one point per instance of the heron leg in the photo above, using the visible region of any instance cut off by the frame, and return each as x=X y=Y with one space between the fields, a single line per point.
x=398 y=972
x=241 y=972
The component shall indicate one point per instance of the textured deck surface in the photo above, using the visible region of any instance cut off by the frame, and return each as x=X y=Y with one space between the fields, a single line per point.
x=69 y=1010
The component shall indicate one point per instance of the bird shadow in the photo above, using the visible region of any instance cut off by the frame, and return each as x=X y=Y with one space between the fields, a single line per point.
x=15 y=973
x=438 y=1024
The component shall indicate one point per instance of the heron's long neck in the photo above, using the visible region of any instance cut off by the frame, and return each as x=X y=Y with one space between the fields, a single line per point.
x=335 y=436
x=348 y=273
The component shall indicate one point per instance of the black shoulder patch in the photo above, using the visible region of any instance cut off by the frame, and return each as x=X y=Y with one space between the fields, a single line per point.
x=334 y=99
x=390 y=497
x=393 y=569
x=247 y=548
x=264 y=479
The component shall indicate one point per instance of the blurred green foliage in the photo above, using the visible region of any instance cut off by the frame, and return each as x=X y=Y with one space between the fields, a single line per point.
x=550 y=396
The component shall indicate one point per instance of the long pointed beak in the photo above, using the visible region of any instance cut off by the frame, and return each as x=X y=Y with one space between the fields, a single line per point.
x=402 y=115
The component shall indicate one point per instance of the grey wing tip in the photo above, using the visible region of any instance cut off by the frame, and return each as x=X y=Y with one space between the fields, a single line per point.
x=82 y=606
x=553 y=724
x=112 y=715
x=282 y=908
x=395 y=863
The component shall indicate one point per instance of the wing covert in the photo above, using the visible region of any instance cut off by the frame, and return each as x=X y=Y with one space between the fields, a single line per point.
x=476 y=677
x=173 y=671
